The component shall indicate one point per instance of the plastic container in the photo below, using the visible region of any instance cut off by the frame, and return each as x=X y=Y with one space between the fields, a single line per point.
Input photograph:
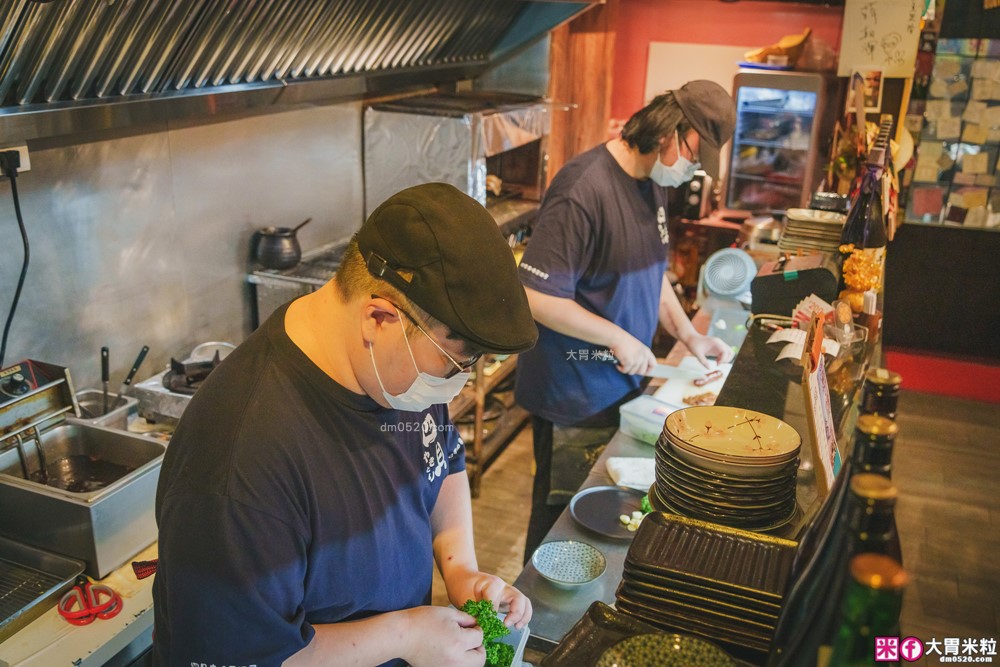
x=91 y=403
x=643 y=417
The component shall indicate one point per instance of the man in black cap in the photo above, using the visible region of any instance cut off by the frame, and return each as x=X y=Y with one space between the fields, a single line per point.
x=595 y=273
x=316 y=477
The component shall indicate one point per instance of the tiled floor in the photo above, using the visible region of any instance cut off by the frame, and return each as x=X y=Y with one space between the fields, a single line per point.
x=947 y=468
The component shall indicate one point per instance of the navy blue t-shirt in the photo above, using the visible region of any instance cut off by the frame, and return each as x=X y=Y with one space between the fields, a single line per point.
x=286 y=501
x=601 y=240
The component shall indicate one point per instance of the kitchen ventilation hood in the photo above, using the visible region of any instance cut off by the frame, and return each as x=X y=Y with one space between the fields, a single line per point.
x=69 y=66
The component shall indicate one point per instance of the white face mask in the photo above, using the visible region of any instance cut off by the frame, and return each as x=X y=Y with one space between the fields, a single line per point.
x=681 y=171
x=427 y=389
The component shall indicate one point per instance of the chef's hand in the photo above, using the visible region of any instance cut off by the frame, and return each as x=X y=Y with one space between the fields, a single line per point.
x=634 y=358
x=703 y=347
x=505 y=598
x=443 y=637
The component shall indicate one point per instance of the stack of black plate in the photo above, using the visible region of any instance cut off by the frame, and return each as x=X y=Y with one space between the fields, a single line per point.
x=727 y=465
x=715 y=582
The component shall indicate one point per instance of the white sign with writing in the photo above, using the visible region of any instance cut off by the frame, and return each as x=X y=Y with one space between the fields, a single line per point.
x=882 y=35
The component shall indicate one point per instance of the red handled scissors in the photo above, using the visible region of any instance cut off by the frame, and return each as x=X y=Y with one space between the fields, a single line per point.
x=87 y=601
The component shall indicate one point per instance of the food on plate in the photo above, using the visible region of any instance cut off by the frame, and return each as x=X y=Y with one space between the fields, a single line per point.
x=711 y=376
x=497 y=654
x=631 y=523
x=708 y=398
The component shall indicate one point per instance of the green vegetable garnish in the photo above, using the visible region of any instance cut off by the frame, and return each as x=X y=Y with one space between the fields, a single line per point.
x=644 y=505
x=497 y=654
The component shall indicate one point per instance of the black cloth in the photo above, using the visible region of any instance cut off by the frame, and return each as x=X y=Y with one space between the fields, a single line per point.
x=285 y=501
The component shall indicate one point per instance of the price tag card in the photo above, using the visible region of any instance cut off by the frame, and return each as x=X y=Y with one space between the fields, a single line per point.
x=976 y=164
x=974 y=112
x=949 y=128
x=975 y=134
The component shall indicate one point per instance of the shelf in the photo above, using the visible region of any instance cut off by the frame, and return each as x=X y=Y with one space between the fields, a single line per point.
x=466 y=400
x=764 y=179
x=478 y=456
x=776 y=110
x=760 y=143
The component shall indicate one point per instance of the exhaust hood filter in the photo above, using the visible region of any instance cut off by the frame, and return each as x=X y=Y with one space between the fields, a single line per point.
x=67 y=50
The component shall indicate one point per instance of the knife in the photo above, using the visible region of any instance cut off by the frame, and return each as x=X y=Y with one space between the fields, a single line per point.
x=131 y=374
x=105 y=376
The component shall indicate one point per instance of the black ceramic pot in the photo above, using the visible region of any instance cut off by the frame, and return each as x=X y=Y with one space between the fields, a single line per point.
x=278 y=247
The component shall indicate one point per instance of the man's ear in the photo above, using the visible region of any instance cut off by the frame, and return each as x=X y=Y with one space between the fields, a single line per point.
x=375 y=314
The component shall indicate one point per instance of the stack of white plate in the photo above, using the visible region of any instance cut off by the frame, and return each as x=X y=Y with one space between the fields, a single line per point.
x=727 y=465
x=809 y=229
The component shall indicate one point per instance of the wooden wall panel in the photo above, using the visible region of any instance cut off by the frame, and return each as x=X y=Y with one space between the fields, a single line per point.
x=581 y=64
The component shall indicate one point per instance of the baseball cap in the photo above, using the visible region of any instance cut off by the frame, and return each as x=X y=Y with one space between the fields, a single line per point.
x=463 y=272
x=710 y=110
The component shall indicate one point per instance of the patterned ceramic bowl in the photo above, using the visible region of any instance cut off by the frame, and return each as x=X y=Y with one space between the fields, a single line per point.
x=569 y=563
x=664 y=650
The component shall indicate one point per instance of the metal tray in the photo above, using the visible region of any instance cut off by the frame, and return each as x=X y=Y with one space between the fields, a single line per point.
x=600 y=628
x=31 y=581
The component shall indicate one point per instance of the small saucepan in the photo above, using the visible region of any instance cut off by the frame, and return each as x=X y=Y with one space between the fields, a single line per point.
x=277 y=247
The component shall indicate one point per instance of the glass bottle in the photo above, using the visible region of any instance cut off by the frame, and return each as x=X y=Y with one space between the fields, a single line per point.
x=874 y=438
x=871 y=516
x=880 y=393
x=870 y=609
x=864 y=238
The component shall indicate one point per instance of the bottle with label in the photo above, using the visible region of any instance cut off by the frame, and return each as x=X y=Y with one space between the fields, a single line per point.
x=864 y=238
x=870 y=609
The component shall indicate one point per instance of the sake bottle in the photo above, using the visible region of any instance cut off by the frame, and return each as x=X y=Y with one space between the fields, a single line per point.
x=864 y=234
x=870 y=609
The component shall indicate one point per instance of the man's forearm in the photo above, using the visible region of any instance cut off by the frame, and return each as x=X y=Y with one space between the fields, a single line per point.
x=569 y=318
x=672 y=315
x=370 y=641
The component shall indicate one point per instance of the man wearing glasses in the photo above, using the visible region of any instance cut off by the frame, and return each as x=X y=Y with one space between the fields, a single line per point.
x=595 y=275
x=316 y=477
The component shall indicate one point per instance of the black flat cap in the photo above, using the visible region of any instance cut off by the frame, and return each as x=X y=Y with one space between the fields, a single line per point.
x=463 y=270
x=710 y=110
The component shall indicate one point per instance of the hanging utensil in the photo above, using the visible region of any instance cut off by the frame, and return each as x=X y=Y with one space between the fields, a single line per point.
x=131 y=374
x=105 y=376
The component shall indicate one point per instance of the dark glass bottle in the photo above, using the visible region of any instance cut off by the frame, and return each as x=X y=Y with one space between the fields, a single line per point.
x=870 y=609
x=874 y=438
x=871 y=516
x=880 y=393
x=797 y=634
x=865 y=232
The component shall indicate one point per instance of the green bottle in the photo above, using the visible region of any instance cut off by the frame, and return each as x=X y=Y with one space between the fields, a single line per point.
x=870 y=609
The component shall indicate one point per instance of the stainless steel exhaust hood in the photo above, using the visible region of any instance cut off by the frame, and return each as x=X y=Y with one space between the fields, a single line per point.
x=69 y=66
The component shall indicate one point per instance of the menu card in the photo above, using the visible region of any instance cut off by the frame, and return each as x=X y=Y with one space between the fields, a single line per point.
x=819 y=413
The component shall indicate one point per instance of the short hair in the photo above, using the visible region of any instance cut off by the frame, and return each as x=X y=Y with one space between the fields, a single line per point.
x=657 y=119
x=354 y=281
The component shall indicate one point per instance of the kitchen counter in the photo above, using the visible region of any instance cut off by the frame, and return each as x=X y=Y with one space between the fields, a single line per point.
x=757 y=382
x=49 y=641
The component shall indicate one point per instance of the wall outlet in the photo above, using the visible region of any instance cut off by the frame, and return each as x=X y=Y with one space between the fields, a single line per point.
x=25 y=161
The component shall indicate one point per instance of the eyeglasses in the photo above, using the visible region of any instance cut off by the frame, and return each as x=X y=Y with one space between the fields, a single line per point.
x=694 y=157
x=459 y=367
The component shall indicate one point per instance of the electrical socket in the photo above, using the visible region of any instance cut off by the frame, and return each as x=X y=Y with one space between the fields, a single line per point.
x=25 y=162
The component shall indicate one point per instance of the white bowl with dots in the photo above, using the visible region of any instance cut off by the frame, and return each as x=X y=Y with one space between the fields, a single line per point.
x=569 y=563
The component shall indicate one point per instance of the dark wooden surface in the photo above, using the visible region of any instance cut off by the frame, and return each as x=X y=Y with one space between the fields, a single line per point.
x=942 y=287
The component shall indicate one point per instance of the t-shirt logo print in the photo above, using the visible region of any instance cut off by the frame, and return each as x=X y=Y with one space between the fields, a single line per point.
x=433 y=453
x=661 y=224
